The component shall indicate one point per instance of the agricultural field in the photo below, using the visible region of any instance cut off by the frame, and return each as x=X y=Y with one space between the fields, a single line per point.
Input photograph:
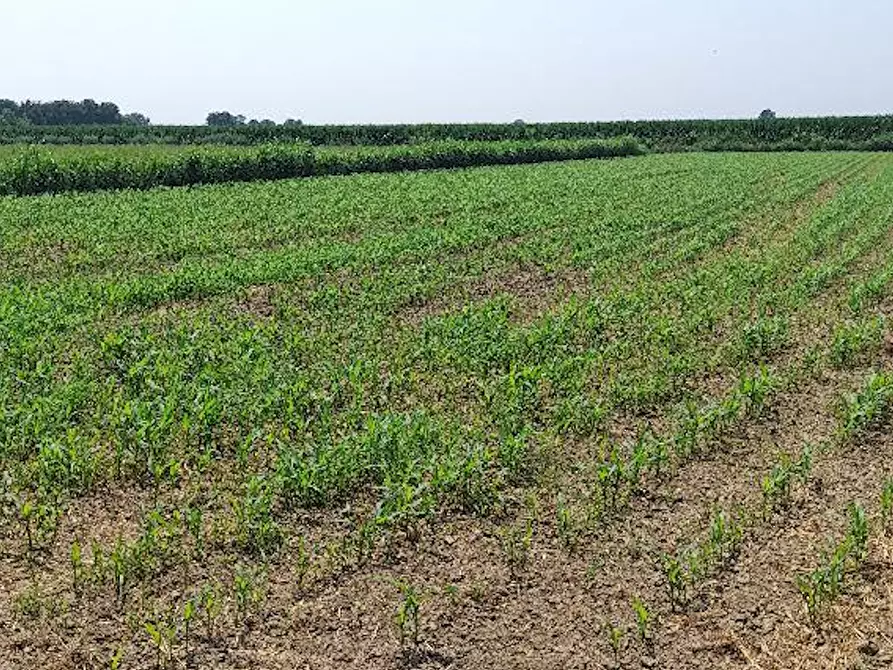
x=626 y=413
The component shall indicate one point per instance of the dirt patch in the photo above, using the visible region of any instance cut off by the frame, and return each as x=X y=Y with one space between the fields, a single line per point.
x=257 y=301
x=532 y=290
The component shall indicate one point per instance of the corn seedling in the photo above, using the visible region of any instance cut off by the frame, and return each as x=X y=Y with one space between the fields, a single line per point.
x=516 y=540
x=865 y=408
x=407 y=616
x=193 y=520
x=162 y=636
x=302 y=561
x=77 y=567
x=821 y=586
x=852 y=342
x=887 y=506
x=567 y=531
x=858 y=532
x=676 y=580
x=615 y=636
x=776 y=486
x=644 y=620
x=189 y=610
x=211 y=605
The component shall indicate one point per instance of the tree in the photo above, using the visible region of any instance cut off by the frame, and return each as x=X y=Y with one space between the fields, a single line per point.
x=293 y=122
x=767 y=114
x=224 y=119
x=62 y=113
x=136 y=119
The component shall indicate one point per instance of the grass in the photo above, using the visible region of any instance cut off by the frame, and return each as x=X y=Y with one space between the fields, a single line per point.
x=291 y=382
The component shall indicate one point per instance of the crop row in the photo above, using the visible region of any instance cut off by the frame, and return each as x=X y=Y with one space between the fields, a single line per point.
x=818 y=133
x=34 y=170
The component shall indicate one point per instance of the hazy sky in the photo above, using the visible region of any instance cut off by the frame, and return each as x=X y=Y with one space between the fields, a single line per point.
x=344 y=61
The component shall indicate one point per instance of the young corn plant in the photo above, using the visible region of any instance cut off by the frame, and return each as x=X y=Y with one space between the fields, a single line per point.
x=776 y=486
x=644 y=621
x=516 y=541
x=243 y=586
x=210 y=602
x=858 y=532
x=676 y=580
x=117 y=659
x=822 y=586
x=726 y=535
x=865 y=408
x=853 y=342
x=162 y=636
x=189 y=610
x=615 y=636
x=567 y=527
x=610 y=479
x=303 y=561
x=256 y=529
x=407 y=615
x=887 y=507
x=77 y=568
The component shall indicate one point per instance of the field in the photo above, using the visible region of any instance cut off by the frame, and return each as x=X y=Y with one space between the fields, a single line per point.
x=605 y=413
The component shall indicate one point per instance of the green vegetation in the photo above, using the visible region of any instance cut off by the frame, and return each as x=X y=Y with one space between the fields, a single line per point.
x=786 y=134
x=264 y=387
x=821 y=586
x=32 y=170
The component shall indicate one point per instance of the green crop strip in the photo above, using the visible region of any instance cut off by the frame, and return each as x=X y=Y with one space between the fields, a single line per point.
x=786 y=134
x=33 y=171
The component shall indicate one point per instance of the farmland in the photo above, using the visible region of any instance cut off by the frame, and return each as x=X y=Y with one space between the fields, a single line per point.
x=626 y=413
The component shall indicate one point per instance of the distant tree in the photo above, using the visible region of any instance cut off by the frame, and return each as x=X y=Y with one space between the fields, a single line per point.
x=136 y=119
x=224 y=119
x=267 y=122
x=61 y=112
x=767 y=114
x=9 y=112
x=293 y=122
x=518 y=122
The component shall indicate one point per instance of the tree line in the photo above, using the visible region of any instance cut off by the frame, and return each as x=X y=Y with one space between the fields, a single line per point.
x=88 y=112
x=67 y=113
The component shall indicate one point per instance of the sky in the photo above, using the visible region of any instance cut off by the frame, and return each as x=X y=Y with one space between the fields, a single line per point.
x=404 y=61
